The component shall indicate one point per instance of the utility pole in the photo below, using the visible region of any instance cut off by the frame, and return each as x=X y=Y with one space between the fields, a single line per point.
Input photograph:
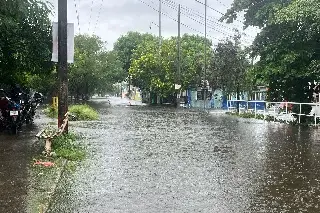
x=62 y=61
x=179 y=45
x=178 y=79
x=205 y=56
x=160 y=43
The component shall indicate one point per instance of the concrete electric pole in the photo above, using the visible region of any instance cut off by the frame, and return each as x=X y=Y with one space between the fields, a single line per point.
x=62 y=61
x=205 y=56
x=179 y=45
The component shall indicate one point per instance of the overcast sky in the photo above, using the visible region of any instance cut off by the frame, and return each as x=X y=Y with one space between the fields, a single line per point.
x=110 y=19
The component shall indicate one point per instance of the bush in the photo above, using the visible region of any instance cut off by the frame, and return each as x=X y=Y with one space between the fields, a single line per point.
x=51 y=112
x=84 y=112
x=81 y=112
x=67 y=146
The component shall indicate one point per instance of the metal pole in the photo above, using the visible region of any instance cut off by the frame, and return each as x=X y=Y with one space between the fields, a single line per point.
x=205 y=54
x=160 y=40
x=179 y=45
x=62 y=61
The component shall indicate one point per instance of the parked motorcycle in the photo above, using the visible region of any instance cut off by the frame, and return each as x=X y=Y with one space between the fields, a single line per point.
x=31 y=106
x=11 y=113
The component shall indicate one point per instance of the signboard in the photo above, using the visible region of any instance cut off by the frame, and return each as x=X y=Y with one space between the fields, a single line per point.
x=70 y=42
x=177 y=86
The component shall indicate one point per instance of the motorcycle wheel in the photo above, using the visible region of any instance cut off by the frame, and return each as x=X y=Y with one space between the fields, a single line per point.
x=14 y=129
x=28 y=121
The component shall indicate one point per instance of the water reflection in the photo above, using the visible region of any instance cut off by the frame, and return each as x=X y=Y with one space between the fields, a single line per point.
x=167 y=160
x=15 y=158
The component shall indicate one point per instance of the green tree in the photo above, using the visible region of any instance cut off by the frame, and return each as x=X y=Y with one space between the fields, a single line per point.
x=111 y=71
x=230 y=66
x=288 y=45
x=126 y=44
x=192 y=60
x=94 y=69
x=25 y=40
x=156 y=71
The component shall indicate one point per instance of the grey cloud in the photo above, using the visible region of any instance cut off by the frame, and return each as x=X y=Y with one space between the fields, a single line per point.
x=117 y=17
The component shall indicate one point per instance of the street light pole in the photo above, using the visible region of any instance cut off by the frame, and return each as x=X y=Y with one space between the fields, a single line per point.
x=62 y=61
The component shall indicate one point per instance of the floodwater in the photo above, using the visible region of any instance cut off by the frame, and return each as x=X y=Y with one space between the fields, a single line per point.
x=160 y=159
x=16 y=152
x=147 y=159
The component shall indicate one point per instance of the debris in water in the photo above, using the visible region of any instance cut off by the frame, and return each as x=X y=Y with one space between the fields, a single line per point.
x=46 y=164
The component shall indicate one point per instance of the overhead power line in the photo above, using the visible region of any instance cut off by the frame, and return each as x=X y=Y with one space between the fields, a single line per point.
x=187 y=26
x=209 y=7
x=99 y=13
x=210 y=26
x=213 y=23
x=77 y=13
x=200 y=14
x=221 y=13
x=90 y=16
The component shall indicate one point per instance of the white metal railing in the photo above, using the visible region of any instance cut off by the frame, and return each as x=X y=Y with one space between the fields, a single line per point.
x=275 y=108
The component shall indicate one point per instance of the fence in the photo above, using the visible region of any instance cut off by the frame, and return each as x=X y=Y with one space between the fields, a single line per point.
x=274 y=108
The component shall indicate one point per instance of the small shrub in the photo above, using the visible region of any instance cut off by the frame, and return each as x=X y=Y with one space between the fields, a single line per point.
x=84 y=112
x=51 y=112
x=67 y=146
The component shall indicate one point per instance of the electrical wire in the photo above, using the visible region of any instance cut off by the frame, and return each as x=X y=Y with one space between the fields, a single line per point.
x=90 y=16
x=208 y=25
x=99 y=13
x=187 y=26
x=77 y=14
x=211 y=22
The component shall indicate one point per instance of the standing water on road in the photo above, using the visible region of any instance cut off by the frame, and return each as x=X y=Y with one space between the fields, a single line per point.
x=157 y=159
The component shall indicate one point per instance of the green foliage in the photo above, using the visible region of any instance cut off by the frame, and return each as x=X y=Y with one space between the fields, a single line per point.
x=67 y=146
x=81 y=112
x=44 y=83
x=25 y=40
x=154 y=70
x=288 y=45
x=84 y=112
x=127 y=44
x=51 y=112
x=230 y=66
x=95 y=70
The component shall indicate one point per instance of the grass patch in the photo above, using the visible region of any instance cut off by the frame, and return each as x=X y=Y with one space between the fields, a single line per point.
x=68 y=146
x=51 y=112
x=251 y=115
x=79 y=112
x=84 y=112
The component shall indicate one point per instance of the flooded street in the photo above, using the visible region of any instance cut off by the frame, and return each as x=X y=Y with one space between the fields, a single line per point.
x=166 y=160
x=16 y=153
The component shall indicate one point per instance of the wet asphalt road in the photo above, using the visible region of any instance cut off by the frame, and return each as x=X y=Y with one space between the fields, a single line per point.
x=16 y=154
x=147 y=159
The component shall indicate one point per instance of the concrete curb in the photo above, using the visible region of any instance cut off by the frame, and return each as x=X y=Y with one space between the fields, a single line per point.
x=52 y=193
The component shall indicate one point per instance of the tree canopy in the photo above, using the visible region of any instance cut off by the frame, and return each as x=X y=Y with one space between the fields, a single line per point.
x=95 y=69
x=156 y=69
x=25 y=39
x=288 y=44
